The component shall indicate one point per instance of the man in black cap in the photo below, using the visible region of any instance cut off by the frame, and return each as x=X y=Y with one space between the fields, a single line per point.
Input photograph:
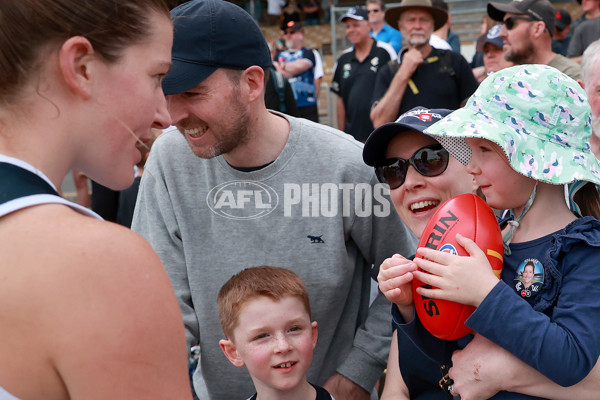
x=426 y=76
x=528 y=26
x=234 y=185
x=355 y=71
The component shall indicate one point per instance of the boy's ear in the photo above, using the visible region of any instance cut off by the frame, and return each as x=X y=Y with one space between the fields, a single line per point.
x=231 y=353
x=75 y=59
x=315 y=333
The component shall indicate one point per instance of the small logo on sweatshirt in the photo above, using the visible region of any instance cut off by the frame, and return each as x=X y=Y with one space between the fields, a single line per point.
x=316 y=239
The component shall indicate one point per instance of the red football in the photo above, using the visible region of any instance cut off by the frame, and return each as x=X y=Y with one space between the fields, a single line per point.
x=470 y=216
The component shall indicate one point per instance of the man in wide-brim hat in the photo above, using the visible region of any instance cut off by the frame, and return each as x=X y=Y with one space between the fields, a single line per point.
x=425 y=76
x=439 y=16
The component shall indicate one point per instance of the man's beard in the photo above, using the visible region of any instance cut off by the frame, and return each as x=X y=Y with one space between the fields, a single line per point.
x=229 y=135
x=418 y=40
x=522 y=56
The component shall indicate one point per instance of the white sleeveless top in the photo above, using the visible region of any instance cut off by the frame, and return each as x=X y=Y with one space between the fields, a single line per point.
x=4 y=395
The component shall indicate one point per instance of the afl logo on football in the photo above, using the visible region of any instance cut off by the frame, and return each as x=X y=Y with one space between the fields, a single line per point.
x=242 y=199
x=448 y=248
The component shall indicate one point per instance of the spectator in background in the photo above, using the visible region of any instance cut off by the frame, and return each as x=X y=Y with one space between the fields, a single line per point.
x=528 y=26
x=586 y=33
x=254 y=8
x=355 y=71
x=311 y=10
x=493 y=56
x=128 y=197
x=290 y=12
x=326 y=6
x=486 y=25
x=380 y=30
x=104 y=201
x=426 y=76
x=445 y=33
x=297 y=63
x=562 y=30
x=591 y=10
x=274 y=11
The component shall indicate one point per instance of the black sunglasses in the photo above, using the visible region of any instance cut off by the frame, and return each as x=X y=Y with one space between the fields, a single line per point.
x=430 y=161
x=510 y=21
x=375 y=11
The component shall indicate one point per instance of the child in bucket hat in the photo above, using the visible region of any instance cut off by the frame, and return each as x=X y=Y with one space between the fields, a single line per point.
x=523 y=135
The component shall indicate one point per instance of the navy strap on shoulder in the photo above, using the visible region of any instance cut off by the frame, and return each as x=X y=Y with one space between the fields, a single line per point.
x=16 y=182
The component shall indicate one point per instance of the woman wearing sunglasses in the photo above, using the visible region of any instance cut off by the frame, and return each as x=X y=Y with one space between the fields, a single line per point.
x=421 y=175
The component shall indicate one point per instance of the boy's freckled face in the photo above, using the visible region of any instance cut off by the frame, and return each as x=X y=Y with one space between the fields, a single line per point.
x=275 y=339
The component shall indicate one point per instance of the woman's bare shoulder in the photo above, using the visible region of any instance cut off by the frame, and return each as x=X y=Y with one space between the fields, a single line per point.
x=57 y=251
x=96 y=290
x=60 y=234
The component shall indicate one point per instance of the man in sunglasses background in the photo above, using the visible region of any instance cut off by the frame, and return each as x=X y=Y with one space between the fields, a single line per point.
x=424 y=76
x=380 y=30
x=527 y=30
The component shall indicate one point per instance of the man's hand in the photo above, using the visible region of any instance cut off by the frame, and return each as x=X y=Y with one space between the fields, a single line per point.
x=341 y=387
x=481 y=369
x=411 y=60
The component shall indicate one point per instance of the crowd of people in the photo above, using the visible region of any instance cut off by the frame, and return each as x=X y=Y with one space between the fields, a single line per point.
x=265 y=255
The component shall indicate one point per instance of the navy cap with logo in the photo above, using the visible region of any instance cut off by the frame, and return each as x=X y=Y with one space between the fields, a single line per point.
x=357 y=13
x=416 y=119
x=212 y=34
x=539 y=10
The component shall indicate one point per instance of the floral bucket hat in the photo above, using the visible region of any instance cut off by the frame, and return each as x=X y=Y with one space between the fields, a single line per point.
x=539 y=116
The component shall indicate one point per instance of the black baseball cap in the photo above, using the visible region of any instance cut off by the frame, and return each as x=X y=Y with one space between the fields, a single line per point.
x=416 y=119
x=212 y=34
x=357 y=13
x=293 y=25
x=539 y=10
x=563 y=19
